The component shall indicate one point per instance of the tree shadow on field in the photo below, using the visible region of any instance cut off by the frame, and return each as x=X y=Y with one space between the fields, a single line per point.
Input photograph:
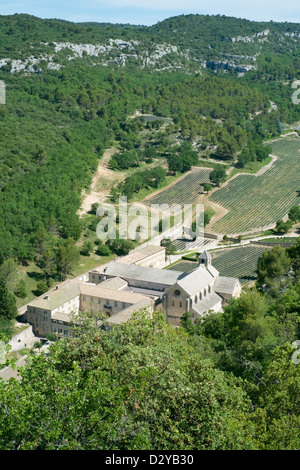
x=36 y=276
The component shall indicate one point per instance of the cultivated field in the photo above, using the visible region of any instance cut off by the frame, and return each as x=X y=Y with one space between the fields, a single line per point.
x=186 y=245
x=184 y=191
x=240 y=262
x=256 y=202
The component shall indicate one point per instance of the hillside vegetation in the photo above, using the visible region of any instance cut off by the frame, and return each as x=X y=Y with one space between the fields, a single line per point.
x=70 y=89
x=227 y=382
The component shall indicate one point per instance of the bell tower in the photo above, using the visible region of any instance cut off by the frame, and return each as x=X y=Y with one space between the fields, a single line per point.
x=204 y=259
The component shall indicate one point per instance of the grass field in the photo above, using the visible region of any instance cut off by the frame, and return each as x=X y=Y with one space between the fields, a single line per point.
x=240 y=262
x=255 y=202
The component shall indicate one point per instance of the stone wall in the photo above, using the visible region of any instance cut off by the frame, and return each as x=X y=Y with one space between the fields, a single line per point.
x=24 y=339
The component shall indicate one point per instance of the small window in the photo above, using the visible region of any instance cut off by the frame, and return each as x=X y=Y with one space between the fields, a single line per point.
x=177 y=293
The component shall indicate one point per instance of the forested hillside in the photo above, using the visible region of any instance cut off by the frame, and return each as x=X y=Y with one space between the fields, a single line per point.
x=229 y=381
x=71 y=87
x=57 y=122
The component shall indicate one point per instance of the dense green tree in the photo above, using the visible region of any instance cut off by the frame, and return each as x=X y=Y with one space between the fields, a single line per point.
x=86 y=248
x=207 y=187
x=119 y=246
x=149 y=154
x=294 y=214
x=67 y=257
x=272 y=268
x=283 y=227
x=47 y=262
x=137 y=387
x=41 y=242
x=279 y=402
x=8 y=308
x=122 y=161
x=294 y=253
x=41 y=288
x=20 y=289
x=8 y=271
x=103 y=250
x=217 y=175
x=170 y=248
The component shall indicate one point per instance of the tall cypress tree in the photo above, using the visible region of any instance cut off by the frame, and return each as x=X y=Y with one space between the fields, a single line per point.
x=8 y=306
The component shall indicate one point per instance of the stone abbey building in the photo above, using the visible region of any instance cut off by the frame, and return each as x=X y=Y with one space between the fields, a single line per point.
x=121 y=287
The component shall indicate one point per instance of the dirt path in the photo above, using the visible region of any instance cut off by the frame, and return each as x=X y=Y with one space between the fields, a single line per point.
x=102 y=182
x=219 y=212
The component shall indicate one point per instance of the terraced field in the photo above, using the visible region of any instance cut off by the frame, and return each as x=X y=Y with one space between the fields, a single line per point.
x=183 y=266
x=186 y=245
x=240 y=262
x=185 y=191
x=256 y=202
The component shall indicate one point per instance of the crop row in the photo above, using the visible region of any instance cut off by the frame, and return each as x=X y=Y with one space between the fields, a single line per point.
x=258 y=201
x=186 y=245
x=239 y=262
x=185 y=191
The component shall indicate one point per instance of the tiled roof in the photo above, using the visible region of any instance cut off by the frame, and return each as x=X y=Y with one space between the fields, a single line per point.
x=141 y=273
x=196 y=280
x=141 y=254
x=110 y=294
x=56 y=297
x=211 y=302
x=225 y=285
x=114 y=283
x=127 y=313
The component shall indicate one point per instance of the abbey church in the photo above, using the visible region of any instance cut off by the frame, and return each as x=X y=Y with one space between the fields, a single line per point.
x=132 y=283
